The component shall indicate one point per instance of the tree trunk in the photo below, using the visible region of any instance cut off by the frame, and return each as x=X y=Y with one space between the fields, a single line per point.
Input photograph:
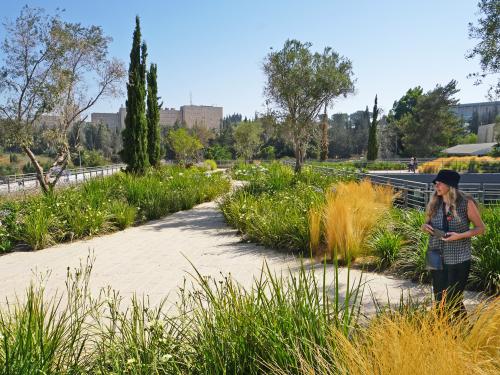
x=38 y=168
x=324 y=137
x=299 y=158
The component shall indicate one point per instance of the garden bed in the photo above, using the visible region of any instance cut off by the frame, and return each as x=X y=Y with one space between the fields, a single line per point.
x=104 y=205
x=275 y=210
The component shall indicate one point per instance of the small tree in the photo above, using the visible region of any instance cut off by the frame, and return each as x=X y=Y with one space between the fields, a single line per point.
x=299 y=83
x=48 y=64
x=372 y=136
x=247 y=139
x=135 y=134
x=184 y=146
x=153 y=118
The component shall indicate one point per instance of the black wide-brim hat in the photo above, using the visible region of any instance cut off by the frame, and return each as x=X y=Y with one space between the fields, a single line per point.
x=448 y=177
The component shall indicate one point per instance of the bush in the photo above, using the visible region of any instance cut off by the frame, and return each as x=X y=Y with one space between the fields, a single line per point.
x=410 y=263
x=386 y=245
x=210 y=164
x=485 y=270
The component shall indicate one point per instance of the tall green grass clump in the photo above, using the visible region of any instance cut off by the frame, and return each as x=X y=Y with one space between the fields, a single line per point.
x=485 y=269
x=291 y=323
x=43 y=334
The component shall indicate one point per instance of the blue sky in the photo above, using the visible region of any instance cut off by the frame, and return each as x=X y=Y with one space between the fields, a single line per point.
x=215 y=49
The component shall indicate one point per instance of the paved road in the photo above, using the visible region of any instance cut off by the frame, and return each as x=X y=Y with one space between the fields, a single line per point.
x=152 y=259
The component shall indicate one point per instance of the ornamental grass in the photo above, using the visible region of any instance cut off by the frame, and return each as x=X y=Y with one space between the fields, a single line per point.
x=351 y=212
x=486 y=164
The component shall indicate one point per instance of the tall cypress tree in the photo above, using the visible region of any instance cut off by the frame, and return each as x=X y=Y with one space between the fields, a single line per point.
x=153 y=117
x=134 y=135
x=372 y=136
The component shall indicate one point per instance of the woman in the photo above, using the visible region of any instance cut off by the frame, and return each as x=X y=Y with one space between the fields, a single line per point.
x=451 y=211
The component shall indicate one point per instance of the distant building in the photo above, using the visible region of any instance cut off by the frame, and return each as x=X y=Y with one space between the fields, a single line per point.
x=191 y=115
x=51 y=121
x=486 y=111
x=488 y=133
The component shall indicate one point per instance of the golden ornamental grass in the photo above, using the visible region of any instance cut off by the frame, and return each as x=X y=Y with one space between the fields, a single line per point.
x=351 y=212
x=461 y=163
x=425 y=342
x=314 y=230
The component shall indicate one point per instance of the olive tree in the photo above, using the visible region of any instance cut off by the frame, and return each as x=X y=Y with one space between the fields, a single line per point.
x=52 y=67
x=299 y=83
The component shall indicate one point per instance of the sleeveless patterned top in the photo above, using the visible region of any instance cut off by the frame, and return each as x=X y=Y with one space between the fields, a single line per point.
x=454 y=252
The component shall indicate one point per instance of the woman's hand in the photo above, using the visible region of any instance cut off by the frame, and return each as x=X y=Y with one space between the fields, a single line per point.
x=452 y=236
x=427 y=228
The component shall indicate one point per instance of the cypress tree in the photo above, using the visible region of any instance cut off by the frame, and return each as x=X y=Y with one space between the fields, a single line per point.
x=153 y=117
x=134 y=135
x=372 y=136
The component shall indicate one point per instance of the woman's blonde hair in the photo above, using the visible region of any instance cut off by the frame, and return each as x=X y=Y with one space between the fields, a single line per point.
x=455 y=196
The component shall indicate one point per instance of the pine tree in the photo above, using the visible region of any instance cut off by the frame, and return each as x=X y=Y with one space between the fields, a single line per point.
x=324 y=137
x=134 y=135
x=153 y=117
x=372 y=136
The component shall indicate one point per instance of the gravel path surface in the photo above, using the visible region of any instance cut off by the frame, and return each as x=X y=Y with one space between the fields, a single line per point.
x=152 y=259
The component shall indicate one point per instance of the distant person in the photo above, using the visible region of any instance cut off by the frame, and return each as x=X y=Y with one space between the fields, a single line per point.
x=448 y=217
x=411 y=165
x=415 y=165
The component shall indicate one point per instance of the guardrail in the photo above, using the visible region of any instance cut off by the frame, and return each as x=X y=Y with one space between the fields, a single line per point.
x=28 y=181
x=414 y=194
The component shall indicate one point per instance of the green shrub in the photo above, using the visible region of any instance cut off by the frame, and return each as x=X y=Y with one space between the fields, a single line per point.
x=39 y=225
x=386 y=245
x=485 y=270
x=411 y=260
x=210 y=164
x=122 y=214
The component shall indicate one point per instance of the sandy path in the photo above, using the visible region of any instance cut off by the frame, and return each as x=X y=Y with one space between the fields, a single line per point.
x=152 y=259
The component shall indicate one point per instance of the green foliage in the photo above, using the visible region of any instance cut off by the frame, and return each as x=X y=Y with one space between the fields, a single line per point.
x=485 y=271
x=268 y=153
x=487 y=31
x=299 y=83
x=372 y=136
x=135 y=134
x=92 y=158
x=386 y=245
x=103 y=205
x=272 y=209
x=186 y=147
x=153 y=117
x=247 y=139
x=210 y=164
x=218 y=327
x=430 y=125
x=218 y=152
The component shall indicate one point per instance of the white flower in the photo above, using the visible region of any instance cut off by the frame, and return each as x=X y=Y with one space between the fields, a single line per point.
x=130 y=361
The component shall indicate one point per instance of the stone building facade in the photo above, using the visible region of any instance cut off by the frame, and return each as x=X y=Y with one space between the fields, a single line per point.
x=191 y=115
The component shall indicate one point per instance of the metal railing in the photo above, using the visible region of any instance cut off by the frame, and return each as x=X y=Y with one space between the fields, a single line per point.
x=413 y=194
x=29 y=181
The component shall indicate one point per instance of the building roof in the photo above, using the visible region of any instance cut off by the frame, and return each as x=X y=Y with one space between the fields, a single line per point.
x=470 y=149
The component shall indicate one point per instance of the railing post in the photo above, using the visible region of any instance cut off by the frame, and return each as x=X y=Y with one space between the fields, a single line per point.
x=8 y=184
x=406 y=194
